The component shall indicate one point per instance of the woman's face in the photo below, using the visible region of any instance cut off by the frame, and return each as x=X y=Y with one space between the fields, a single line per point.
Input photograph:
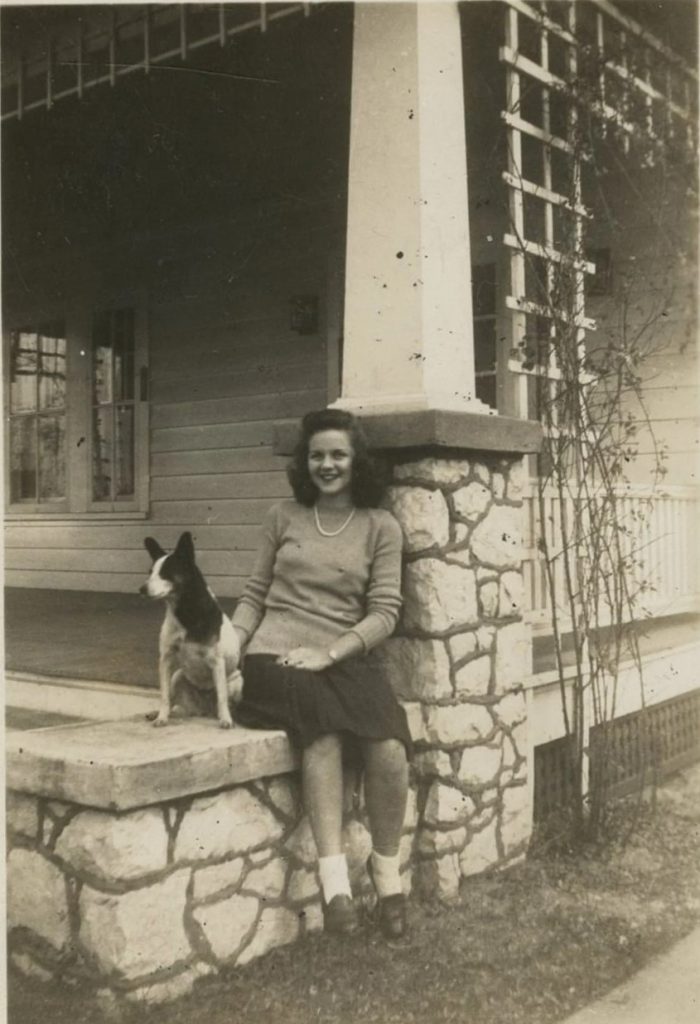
x=330 y=462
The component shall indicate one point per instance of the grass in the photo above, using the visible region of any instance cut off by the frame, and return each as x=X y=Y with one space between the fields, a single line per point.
x=527 y=946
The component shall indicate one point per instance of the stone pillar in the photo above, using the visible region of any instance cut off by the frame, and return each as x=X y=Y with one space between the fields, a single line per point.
x=408 y=340
x=460 y=658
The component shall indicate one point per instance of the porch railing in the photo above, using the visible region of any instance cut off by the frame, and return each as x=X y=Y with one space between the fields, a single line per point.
x=661 y=527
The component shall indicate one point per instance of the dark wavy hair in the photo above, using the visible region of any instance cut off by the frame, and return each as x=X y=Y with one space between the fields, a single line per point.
x=367 y=485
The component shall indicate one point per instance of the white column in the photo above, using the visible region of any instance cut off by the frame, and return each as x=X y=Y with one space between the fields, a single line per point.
x=408 y=340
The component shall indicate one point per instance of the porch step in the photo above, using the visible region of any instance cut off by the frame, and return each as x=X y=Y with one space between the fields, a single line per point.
x=76 y=698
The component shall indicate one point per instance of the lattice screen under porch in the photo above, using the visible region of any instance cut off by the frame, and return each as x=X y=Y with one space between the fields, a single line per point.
x=644 y=745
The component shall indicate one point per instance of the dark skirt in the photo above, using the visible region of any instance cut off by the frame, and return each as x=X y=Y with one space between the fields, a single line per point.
x=353 y=698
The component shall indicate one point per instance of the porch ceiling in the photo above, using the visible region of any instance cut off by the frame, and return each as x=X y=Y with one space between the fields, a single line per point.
x=265 y=118
x=51 y=54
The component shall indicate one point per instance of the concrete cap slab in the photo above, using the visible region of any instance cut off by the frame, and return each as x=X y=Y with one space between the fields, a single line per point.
x=437 y=429
x=126 y=764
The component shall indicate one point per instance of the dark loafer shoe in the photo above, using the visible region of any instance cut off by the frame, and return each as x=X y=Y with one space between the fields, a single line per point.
x=392 y=916
x=391 y=911
x=340 y=916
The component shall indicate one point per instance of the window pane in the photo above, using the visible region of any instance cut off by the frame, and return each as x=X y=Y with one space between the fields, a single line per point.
x=124 y=454
x=102 y=359
x=52 y=368
x=124 y=354
x=23 y=458
x=113 y=389
x=102 y=453
x=52 y=457
x=23 y=371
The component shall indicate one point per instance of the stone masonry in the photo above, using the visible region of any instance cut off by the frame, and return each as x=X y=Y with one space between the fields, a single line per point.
x=142 y=903
x=459 y=659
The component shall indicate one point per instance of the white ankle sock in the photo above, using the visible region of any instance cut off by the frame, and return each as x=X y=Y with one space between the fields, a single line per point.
x=387 y=878
x=335 y=880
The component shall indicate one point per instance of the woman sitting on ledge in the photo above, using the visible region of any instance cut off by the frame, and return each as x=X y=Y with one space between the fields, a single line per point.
x=324 y=592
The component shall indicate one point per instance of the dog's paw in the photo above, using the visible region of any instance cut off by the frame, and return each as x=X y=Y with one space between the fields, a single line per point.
x=159 y=722
x=225 y=723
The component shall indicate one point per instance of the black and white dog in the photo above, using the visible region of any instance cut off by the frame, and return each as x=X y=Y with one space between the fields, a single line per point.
x=199 y=650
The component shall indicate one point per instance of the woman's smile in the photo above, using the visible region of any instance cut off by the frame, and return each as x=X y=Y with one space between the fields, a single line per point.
x=330 y=461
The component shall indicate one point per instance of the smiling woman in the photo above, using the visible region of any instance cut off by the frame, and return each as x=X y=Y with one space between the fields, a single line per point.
x=328 y=440
x=330 y=461
x=325 y=592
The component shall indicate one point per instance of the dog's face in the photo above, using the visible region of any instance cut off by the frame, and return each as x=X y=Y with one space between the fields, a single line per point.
x=168 y=571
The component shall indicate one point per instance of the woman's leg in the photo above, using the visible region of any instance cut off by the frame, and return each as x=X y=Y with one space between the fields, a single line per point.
x=322 y=782
x=386 y=792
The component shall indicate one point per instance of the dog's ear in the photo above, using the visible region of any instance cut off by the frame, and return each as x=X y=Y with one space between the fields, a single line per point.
x=185 y=548
x=153 y=548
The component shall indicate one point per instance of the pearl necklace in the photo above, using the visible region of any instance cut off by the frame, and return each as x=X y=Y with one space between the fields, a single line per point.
x=331 y=533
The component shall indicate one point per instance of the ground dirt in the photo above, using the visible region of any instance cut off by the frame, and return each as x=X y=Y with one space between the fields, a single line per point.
x=526 y=946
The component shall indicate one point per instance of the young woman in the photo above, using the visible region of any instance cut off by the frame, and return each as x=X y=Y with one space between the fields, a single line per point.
x=325 y=591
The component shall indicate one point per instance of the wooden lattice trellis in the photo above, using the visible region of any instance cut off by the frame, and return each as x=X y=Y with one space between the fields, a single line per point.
x=560 y=59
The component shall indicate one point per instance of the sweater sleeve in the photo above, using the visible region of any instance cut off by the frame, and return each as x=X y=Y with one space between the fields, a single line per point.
x=384 y=588
x=250 y=609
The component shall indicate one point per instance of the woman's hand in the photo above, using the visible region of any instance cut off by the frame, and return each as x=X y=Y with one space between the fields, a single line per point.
x=315 y=659
x=242 y=637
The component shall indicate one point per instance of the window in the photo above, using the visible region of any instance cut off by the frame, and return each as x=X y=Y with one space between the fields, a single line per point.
x=76 y=394
x=38 y=414
x=113 y=406
x=484 y=313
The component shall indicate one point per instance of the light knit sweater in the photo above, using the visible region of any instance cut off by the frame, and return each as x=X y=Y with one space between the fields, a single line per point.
x=310 y=590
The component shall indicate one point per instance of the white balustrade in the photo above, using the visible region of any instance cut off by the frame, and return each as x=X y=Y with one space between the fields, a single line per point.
x=657 y=542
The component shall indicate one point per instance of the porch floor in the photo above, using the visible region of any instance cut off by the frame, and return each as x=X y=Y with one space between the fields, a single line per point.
x=84 y=635
x=22 y=719
x=114 y=637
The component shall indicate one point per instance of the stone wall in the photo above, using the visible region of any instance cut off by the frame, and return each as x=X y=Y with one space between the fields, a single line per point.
x=459 y=660
x=143 y=903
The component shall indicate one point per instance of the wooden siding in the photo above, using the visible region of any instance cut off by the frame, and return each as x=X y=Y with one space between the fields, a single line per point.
x=132 y=562
x=224 y=365
x=653 y=302
x=210 y=485
x=90 y=536
x=671 y=403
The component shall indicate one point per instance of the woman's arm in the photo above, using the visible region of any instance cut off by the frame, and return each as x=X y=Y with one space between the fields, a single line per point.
x=384 y=588
x=251 y=605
